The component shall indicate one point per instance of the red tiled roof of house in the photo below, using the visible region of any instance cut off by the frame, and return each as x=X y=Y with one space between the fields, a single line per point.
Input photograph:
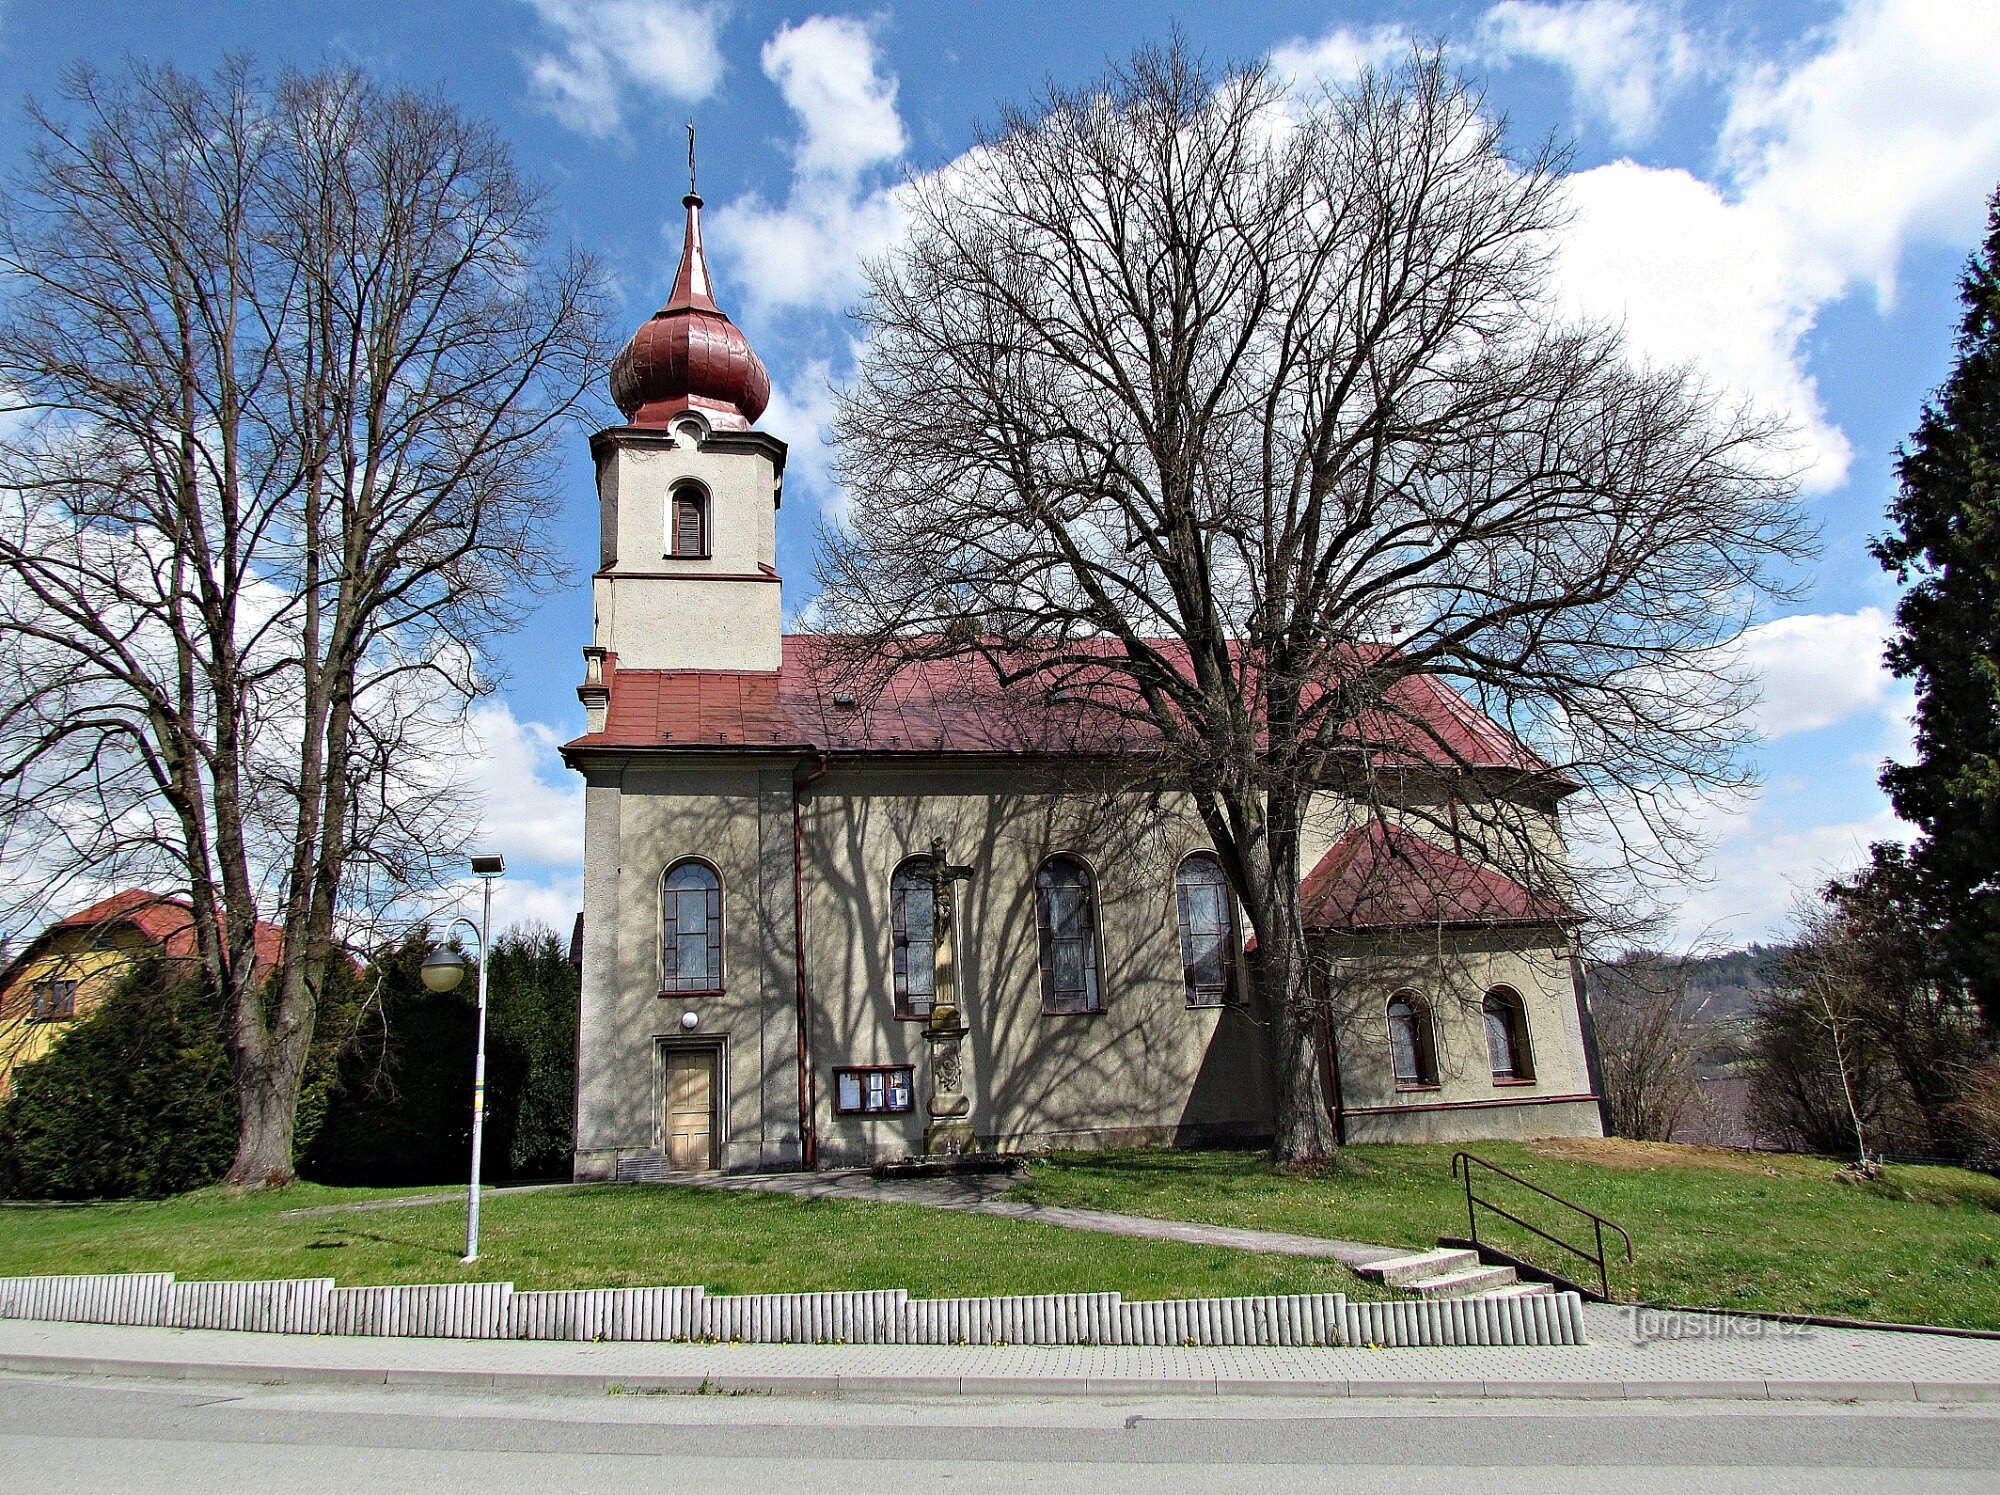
x=960 y=706
x=1383 y=877
x=165 y=922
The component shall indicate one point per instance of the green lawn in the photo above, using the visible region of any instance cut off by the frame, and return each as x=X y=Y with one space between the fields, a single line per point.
x=1724 y=1229
x=633 y=1235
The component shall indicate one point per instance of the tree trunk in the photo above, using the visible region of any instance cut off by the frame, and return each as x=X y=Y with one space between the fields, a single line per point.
x=1304 y=1131
x=269 y=1110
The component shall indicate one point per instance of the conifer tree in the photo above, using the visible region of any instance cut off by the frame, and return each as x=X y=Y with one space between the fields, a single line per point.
x=1945 y=550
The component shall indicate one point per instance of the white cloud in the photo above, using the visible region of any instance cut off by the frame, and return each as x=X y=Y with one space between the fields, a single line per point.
x=1889 y=131
x=552 y=900
x=800 y=413
x=609 y=48
x=530 y=805
x=1763 y=864
x=1623 y=58
x=1340 y=56
x=1817 y=669
x=808 y=252
x=828 y=71
x=1883 y=133
x=1693 y=277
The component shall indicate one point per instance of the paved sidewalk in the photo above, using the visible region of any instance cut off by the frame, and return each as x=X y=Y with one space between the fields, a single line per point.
x=985 y=1194
x=1633 y=1354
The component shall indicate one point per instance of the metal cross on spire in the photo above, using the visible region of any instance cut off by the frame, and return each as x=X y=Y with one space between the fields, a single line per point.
x=691 y=188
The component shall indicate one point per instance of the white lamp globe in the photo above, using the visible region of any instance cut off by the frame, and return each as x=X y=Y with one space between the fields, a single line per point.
x=443 y=969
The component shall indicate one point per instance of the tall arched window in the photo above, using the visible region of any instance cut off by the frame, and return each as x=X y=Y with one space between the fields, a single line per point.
x=687 y=521
x=912 y=914
x=1208 y=943
x=1066 y=918
x=1412 y=1043
x=690 y=929
x=1507 y=1035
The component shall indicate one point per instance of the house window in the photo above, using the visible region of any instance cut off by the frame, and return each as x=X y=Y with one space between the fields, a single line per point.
x=1066 y=919
x=1208 y=945
x=872 y=1090
x=1507 y=1037
x=55 y=998
x=690 y=929
x=1412 y=1043
x=912 y=914
x=690 y=522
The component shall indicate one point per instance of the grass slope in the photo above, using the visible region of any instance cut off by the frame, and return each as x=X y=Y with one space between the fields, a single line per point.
x=633 y=1235
x=1712 y=1227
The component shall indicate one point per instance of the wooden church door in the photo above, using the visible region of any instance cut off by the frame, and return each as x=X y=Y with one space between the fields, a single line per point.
x=690 y=1100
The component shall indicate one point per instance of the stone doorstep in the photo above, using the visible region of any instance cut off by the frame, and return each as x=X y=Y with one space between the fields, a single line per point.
x=1421 y=1266
x=1449 y=1272
x=1472 y=1282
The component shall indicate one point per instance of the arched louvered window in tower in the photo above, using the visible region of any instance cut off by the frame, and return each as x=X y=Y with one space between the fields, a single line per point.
x=688 y=519
x=1208 y=935
x=690 y=928
x=1412 y=1042
x=912 y=915
x=1507 y=1036
x=1066 y=921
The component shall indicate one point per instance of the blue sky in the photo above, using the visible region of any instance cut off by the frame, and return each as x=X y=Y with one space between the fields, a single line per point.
x=1781 y=192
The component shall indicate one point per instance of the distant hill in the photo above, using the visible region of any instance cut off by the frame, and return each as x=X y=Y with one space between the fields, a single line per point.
x=1735 y=981
x=1727 y=987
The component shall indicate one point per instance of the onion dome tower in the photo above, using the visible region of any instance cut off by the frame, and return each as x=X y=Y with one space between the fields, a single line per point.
x=690 y=356
x=688 y=493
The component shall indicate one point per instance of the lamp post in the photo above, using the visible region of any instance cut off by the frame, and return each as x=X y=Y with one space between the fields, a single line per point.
x=443 y=969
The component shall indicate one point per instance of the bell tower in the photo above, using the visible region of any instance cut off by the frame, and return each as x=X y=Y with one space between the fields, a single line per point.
x=688 y=493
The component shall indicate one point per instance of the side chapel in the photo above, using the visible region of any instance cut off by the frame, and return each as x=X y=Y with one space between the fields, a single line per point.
x=822 y=931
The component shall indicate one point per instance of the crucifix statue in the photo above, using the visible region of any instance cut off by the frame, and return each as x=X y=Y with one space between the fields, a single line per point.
x=949 y=1130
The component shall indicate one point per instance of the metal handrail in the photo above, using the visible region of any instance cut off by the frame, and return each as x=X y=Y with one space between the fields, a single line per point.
x=1474 y=1203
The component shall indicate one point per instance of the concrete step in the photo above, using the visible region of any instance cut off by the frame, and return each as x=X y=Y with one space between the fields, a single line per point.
x=1407 y=1271
x=1468 y=1283
x=1520 y=1290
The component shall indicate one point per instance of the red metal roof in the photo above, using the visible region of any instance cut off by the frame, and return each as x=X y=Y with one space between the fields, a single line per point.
x=1383 y=877
x=961 y=706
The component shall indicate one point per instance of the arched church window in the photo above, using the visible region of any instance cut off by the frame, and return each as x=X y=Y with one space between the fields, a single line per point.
x=1412 y=1041
x=1507 y=1036
x=688 y=519
x=1208 y=941
x=912 y=916
x=1066 y=921
x=690 y=928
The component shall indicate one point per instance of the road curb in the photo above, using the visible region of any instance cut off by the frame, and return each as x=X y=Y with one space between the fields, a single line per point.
x=725 y=1382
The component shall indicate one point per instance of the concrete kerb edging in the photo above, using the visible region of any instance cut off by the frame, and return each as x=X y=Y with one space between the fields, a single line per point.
x=837 y=1386
x=494 y=1310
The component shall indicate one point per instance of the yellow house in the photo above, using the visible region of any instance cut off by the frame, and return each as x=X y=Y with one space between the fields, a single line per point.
x=70 y=967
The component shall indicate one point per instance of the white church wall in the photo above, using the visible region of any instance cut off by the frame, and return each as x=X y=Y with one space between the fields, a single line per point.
x=736 y=818
x=1145 y=1068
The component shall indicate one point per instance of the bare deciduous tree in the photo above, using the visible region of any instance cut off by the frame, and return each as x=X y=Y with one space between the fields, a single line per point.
x=1649 y=1041
x=1253 y=411
x=285 y=372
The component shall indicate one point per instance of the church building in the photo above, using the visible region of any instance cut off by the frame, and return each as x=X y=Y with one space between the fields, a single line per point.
x=824 y=927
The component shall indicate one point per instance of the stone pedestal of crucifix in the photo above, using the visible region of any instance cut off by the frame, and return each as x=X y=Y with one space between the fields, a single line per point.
x=949 y=1130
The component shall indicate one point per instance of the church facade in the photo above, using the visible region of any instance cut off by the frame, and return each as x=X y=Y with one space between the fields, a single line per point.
x=824 y=929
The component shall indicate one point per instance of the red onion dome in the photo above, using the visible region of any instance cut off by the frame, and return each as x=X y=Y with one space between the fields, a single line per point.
x=690 y=356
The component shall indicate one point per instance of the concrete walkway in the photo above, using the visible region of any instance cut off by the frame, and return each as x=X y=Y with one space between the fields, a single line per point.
x=1633 y=1354
x=986 y=1194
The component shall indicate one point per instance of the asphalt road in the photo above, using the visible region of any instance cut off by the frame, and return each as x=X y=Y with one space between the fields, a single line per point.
x=75 y=1434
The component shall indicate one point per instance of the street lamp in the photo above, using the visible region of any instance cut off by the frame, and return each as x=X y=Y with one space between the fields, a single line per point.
x=442 y=970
